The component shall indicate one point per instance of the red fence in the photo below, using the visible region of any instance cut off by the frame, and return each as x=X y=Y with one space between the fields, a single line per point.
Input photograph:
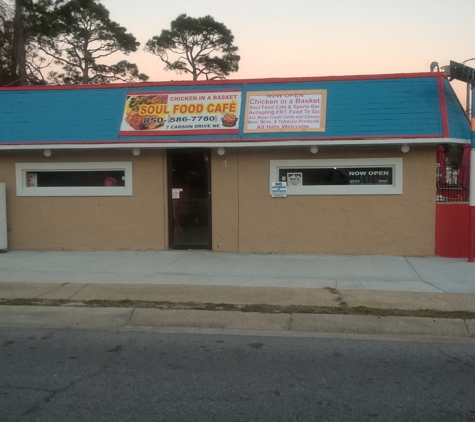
x=452 y=184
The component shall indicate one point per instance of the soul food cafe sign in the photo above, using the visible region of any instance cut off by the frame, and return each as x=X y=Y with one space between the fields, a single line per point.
x=162 y=113
x=285 y=111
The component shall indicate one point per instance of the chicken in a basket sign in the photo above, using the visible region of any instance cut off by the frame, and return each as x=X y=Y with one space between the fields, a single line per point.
x=165 y=113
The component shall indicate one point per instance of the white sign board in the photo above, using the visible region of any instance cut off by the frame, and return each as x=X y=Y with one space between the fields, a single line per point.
x=279 y=190
x=165 y=113
x=285 y=111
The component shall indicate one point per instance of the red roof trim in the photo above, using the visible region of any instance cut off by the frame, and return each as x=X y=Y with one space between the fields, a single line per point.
x=458 y=100
x=229 y=82
x=139 y=93
x=443 y=107
x=180 y=132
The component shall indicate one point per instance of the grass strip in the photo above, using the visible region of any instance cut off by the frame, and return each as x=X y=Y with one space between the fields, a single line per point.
x=261 y=308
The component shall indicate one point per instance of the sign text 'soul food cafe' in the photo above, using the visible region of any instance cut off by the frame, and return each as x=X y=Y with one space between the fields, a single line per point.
x=162 y=113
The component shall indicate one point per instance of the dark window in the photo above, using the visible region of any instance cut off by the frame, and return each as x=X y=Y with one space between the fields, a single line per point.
x=330 y=176
x=76 y=178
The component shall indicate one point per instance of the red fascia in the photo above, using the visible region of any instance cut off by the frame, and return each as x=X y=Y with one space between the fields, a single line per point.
x=443 y=106
x=229 y=82
x=182 y=132
x=139 y=93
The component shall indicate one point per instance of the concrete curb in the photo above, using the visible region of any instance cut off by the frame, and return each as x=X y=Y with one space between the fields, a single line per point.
x=359 y=324
x=138 y=318
x=231 y=320
x=64 y=317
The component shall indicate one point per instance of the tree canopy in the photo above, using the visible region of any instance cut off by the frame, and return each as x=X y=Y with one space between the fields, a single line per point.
x=198 y=46
x=85 y=34
x=8 y=75
x=67 y=39
x=21 y=22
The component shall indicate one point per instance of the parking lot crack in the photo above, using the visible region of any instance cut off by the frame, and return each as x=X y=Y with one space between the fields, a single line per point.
x=131 y=316
x=38 y=405
x=466 y=326
x=421 y=278
x=52 y=290
x=338 y=296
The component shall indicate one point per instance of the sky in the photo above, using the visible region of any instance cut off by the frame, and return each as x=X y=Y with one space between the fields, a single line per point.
x=301 y=38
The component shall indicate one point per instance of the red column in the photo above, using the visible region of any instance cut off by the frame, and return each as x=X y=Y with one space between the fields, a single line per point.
x=471 y=215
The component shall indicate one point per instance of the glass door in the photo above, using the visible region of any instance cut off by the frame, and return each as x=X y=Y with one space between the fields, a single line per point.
x=189 y=194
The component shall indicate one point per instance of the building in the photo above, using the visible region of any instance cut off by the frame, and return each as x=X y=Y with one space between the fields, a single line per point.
x=334 y=165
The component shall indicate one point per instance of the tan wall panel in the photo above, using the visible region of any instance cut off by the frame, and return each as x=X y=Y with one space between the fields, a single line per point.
x=245 y=218
x=135 y=222
x=339 y=224
x=225 y=200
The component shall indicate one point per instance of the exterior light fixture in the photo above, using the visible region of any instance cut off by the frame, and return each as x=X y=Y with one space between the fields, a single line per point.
x=47 y=152
x=313 y=149
x=221 y=151
x=405 y=148
x=136 y=151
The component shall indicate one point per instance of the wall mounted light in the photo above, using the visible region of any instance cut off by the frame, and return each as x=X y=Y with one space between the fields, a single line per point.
x=405 y=148
x=136 y=151
x=313 y=149
x=221 y=151
x=47 y=152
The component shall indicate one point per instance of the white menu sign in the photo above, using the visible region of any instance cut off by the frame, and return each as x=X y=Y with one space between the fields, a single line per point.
x=285 y=111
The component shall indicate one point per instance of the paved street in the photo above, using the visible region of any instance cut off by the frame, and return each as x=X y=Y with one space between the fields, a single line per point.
x=54 y=375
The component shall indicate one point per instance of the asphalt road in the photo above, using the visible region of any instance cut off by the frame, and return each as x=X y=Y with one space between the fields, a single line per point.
x=53 y=375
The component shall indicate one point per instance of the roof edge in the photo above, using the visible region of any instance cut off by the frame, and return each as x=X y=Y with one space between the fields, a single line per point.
x=229 y=82
x=238 y=144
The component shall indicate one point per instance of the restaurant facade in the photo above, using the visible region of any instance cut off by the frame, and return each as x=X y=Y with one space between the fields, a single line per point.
x=331 y=165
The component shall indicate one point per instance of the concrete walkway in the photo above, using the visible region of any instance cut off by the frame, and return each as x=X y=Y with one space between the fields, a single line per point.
x=388 y=273
x=341 y=283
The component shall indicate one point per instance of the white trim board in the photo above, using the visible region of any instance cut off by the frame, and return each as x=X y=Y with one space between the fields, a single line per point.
x=236 y=144
x=22 y=189
x=394 y=189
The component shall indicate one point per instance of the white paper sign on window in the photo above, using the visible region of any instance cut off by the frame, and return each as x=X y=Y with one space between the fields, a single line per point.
x=32 y=180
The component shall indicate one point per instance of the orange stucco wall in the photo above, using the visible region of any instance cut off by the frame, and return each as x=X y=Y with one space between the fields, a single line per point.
x=111 y=223
x=248 y=220
x=225 y=201
x=244 y=216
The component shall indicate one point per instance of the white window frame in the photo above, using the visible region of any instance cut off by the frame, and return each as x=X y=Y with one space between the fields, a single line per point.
x=23 y=190
x=394 y=189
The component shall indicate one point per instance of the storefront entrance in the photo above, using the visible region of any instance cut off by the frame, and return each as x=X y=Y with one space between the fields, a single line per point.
x=189 y=199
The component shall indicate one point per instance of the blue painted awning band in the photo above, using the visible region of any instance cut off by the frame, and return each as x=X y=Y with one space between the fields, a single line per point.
x=366 y=108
